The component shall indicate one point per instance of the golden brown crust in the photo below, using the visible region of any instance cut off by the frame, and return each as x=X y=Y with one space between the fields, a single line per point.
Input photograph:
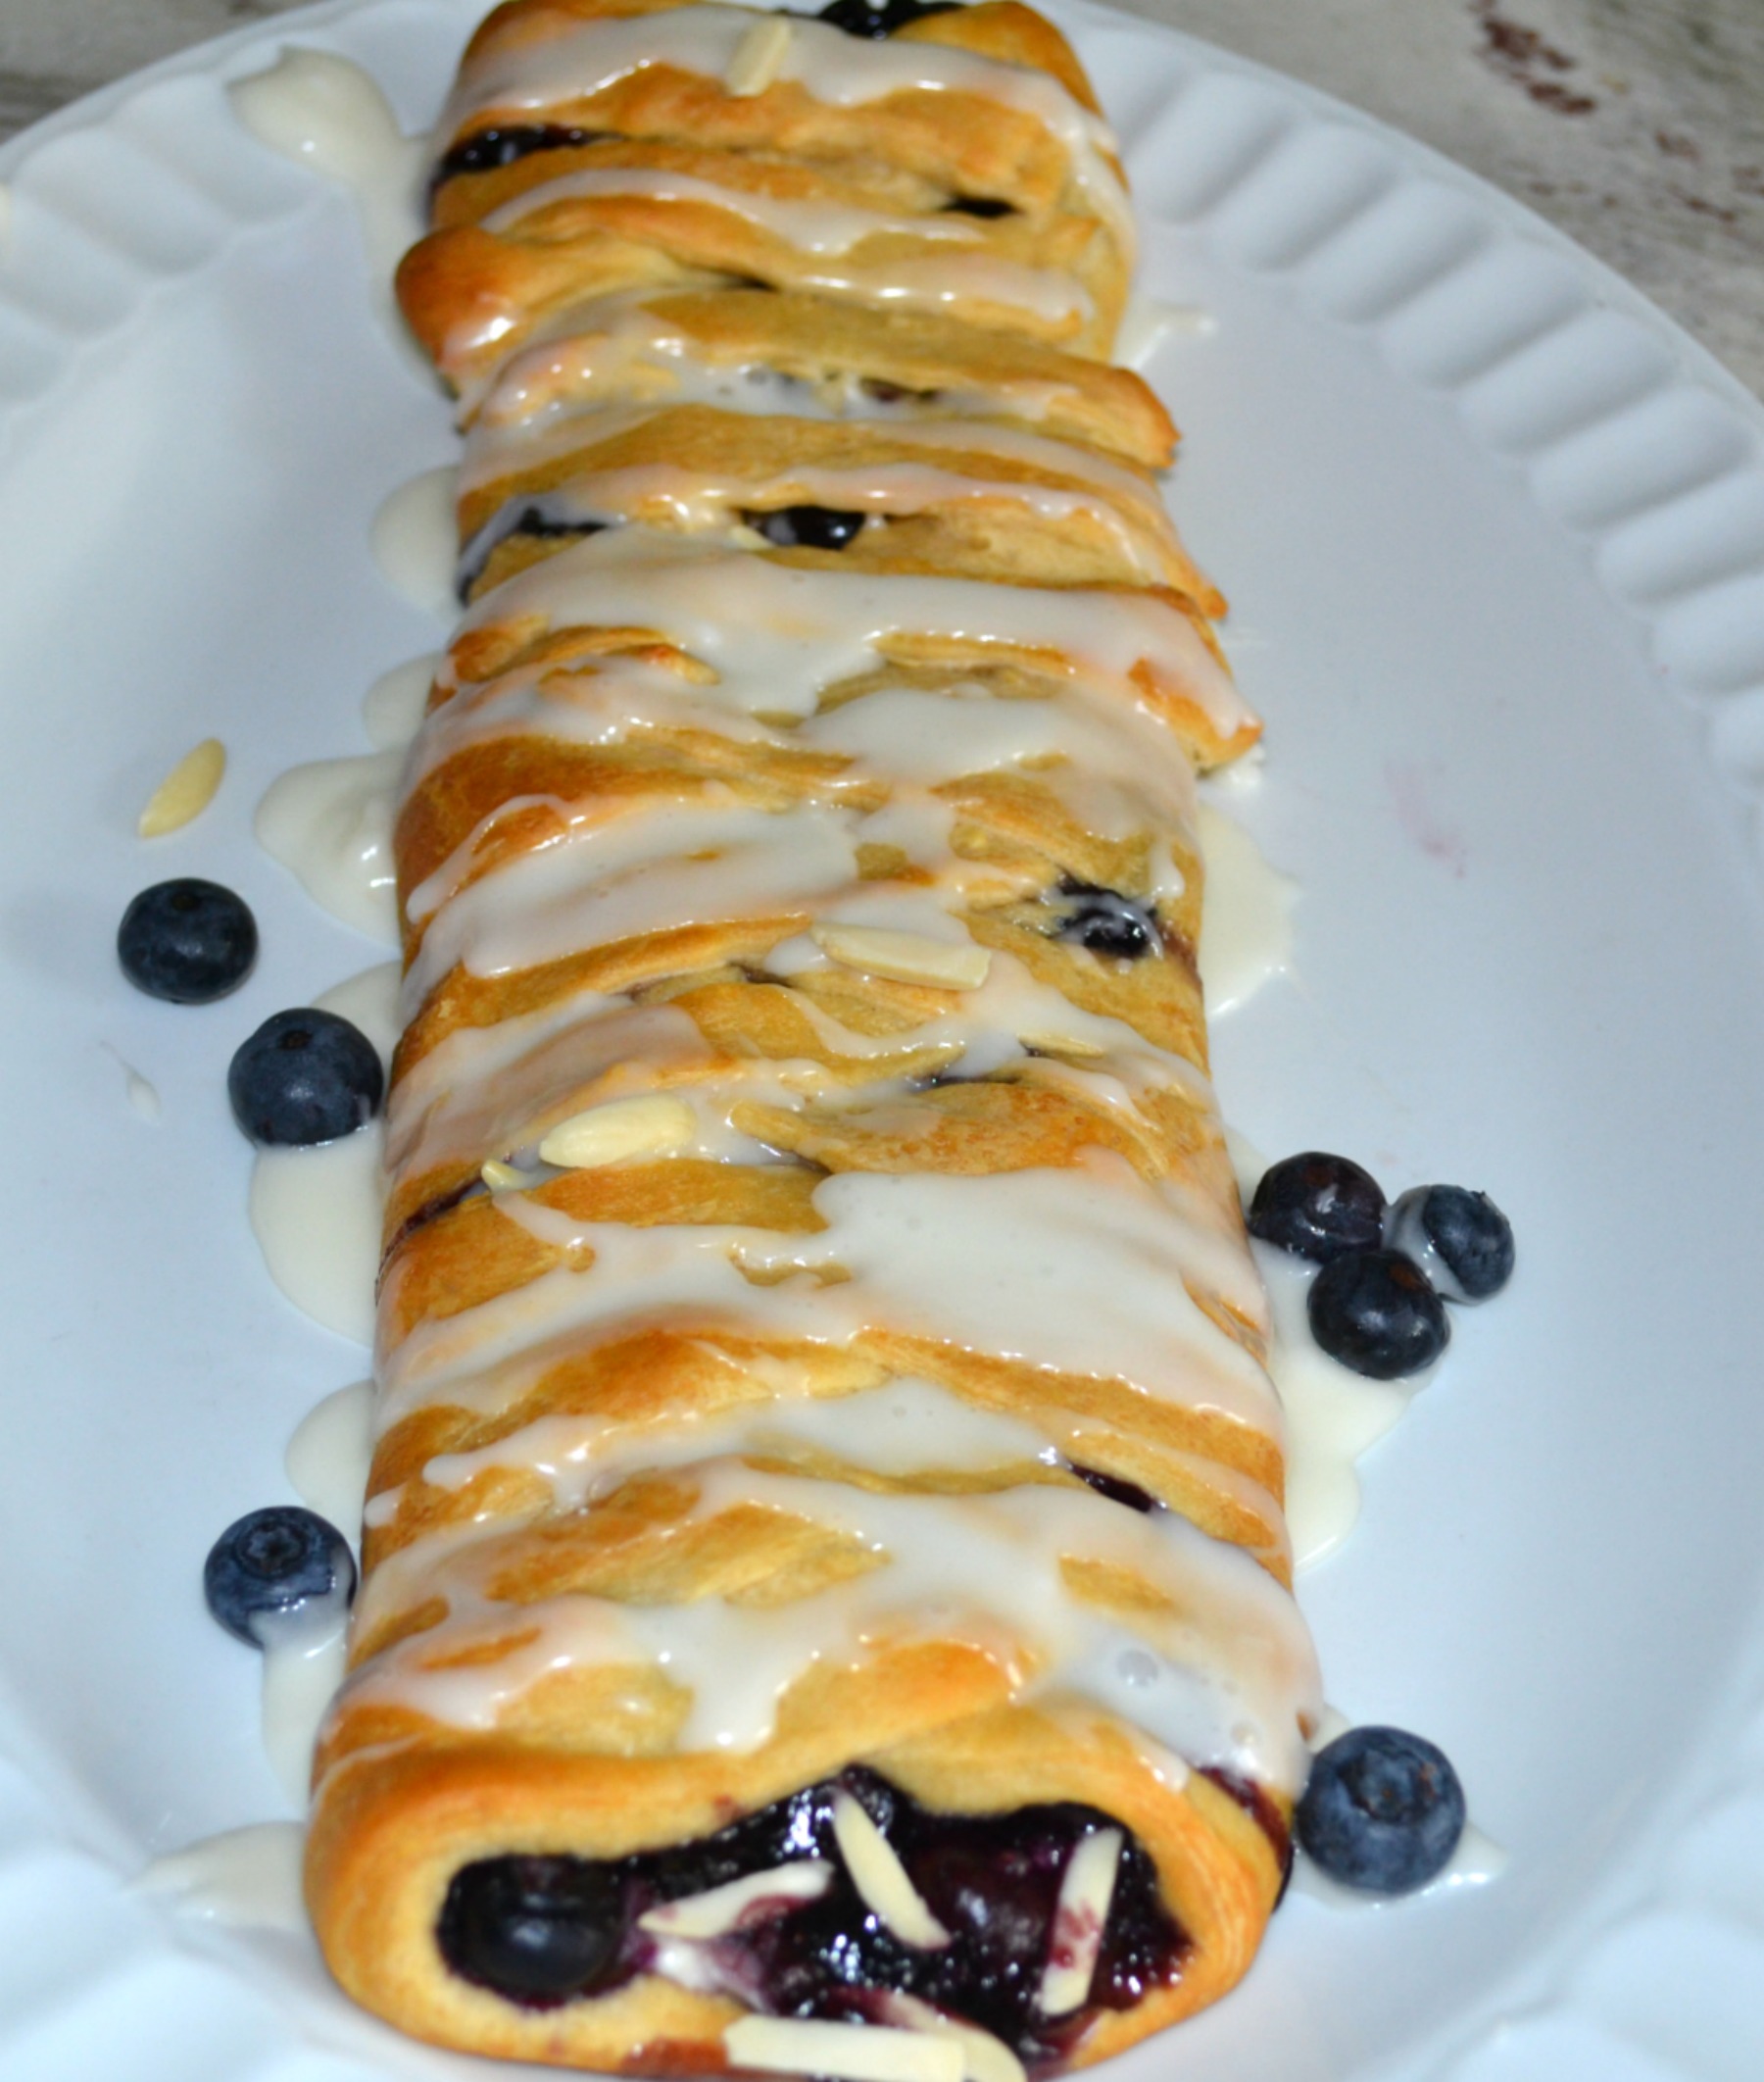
x=937 y=366
x=581 y=1448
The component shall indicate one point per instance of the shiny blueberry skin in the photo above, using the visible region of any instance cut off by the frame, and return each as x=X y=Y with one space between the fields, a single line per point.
x=1106 y=923
x=271 y=1564
x=304 y=1076
x=858 y=18
x=821 y=527
x=537 y=1929
x=1383 y=1811
x=187 y=941
x=1375 y=1313
x=1462 y=1238
x=1318 y=1205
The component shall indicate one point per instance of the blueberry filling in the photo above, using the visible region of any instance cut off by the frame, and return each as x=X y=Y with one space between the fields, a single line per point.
x=1108 y=923
x=858 y=18
x=886 y=393
x=1114 y=1489
x=542 y=1930
x=537 y=1930
x=821 y=527
x=544 y=517
x=502 y=145
x=988 y=206
x=430 y=1210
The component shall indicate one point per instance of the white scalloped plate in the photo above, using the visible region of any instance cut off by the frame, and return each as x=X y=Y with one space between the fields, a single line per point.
x=1495 y=535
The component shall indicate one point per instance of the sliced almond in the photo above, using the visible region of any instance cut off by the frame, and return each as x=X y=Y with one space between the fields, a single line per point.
x=881 y=1879
x=758 y=56
x=904 y=956
x=984 y=2059
x=187 y=791
x=502 y=1177
x=849 y=2053
x=647 y=1126
x=720 y=1909
x=1086 y=1893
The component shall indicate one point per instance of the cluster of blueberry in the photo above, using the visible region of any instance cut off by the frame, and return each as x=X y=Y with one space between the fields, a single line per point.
x=1383 y=1811
x=1387 y=1271
x=304 y=1076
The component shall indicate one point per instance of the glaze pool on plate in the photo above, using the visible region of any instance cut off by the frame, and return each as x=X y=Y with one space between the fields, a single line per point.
x=1528 y=958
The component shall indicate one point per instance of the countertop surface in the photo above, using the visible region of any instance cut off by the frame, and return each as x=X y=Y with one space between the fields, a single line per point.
x=1636 y=126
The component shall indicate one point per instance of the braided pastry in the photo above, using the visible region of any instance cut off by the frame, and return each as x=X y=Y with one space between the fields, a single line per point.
x=825 y=1600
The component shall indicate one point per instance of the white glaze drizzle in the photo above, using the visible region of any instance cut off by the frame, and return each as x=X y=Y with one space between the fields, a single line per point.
x=246 y=1878
x=325 y=112
x=392 y=708
x=832 y=68
x=619 y=353
x=328 y=1459
x=413 y=540
x=1232 y=1657
x=330 y=824
x=777 y=634
x=315 y=1213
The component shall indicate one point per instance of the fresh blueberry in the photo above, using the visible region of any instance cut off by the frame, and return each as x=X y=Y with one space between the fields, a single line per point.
x=536 y=1929
x=858 y=18
x=822 y=527
x=1460 y=1239
x=302 y=1077
x=1318 y=1205
x=274 y=1564
x=1383 y=1811
x=1375 y=1312
x=189 y=941
x=1106 y=923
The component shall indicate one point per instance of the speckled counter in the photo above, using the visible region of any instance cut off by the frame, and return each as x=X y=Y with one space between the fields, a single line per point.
x=1636 y=126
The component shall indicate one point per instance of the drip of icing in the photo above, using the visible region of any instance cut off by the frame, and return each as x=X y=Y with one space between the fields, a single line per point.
x=392 y=709
x=315 y=1213
x=328 y=1457
x=304 y=1657
x=141 y=1095
x=1332 y=1414
x=414 y=542
x=323 y=111
x=1246 y=933
x=1149 y=321
x=249 y=1878
x=330 y=825
x=1477 y=1861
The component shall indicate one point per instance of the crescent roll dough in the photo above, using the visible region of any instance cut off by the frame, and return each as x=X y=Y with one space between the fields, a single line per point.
x=825 y=1597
